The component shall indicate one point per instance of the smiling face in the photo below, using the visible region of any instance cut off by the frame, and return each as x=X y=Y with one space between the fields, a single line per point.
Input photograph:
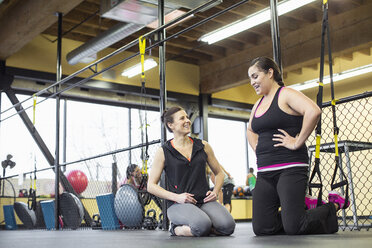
x=181 y=123
x=260 y=80
x=137 y=173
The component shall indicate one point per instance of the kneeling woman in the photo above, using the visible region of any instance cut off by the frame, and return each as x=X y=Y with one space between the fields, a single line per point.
x=192 y=207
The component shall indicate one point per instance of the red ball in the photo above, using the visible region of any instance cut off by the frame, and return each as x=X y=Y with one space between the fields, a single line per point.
x=78 y=180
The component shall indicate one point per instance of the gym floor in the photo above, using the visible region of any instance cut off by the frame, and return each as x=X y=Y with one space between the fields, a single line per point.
x=243 y=237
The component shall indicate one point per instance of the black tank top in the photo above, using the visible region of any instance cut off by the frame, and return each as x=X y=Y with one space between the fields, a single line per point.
x=184 y=175
x=266 y=125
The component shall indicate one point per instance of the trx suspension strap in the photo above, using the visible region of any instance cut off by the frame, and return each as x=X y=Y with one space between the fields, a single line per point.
x=325 y=28
x=318 y=129
x=344 y=182
x=144 y=125
x=31 y=201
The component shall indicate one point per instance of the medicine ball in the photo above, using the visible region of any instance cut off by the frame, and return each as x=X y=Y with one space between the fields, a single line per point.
x=72 y=210
x=128 y=206
x=27 y=216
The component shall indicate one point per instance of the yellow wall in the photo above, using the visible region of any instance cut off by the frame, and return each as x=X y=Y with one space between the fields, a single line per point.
x=40 y=54
x=243 y=93
x=347 y=87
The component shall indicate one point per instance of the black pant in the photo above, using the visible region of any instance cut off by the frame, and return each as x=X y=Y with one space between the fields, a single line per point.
x=286 y=189
x=227 y=193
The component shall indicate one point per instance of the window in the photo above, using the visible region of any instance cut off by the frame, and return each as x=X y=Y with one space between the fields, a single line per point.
x=228 y=140
x=17 y=140
x=94 y=129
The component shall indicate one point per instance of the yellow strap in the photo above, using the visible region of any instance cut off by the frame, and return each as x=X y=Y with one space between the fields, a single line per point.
x=336 y=145
x=334 y=102
x=321 y=83
x=325 y=1
x=34 y=109
x=142 y=48
x=317 y=146
x=144 y=166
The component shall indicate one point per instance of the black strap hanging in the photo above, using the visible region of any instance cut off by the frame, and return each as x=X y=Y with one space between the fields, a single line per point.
x=336 y=130
x=31 y=201
x=316 y=170
x=318 y=129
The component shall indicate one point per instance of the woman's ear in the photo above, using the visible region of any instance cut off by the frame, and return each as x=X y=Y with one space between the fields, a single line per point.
x=169 y=124
x=271 y=72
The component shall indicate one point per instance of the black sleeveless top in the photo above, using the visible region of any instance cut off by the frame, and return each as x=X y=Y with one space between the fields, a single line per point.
x=275 y=158
x=184 y=175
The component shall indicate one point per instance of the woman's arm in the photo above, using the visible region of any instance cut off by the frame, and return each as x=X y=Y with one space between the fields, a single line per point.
x=252 y=136
x=154 y=177
x=228 y=174
x=217 y=171
x=310 y=112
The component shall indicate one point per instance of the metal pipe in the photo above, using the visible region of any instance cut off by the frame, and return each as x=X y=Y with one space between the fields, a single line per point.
x=275 y=35
x=30 y=172
x=247 y=148
x=349 y=99
x=123 y=60
x=130 y=134
x=77 y=25
x=121 y=49
x=114 y=178
x=162 y=102
x=203 y=113
x=56 y=160
x=162 y=81
x=112 y=152
x=107 y=38
x=64 y=134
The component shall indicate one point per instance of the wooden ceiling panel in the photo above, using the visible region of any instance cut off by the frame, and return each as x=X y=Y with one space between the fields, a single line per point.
x=224 y=61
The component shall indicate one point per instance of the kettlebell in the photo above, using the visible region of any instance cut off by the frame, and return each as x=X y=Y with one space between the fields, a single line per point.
x=23 y=193
x=96 y=223
x=150 y=222
x=160 y=222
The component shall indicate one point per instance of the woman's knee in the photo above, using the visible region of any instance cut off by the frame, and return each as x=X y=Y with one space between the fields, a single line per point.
x=225 y=227
x=258 y=229
x=291 y=230
x=264 y=228
x=201 y=227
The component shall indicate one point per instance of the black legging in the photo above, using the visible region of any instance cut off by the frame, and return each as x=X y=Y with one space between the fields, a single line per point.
x=227 y=193
x=286 y=189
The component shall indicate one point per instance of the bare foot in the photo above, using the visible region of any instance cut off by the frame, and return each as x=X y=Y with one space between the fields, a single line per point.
x=183 y=231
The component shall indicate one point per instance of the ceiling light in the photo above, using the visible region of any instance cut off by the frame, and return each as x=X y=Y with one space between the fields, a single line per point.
x=135 y=70
x=336 y=77
x=253 y=20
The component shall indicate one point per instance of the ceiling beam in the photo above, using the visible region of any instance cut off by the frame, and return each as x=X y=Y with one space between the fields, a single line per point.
x=26 y=20
x=348 y=31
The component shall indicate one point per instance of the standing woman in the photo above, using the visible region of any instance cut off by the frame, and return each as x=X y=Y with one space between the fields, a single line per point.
x=280 y=123
x=192 y=207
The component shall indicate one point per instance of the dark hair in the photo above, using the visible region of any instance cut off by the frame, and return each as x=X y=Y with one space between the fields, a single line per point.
x=251 y=170
x=264 y=64
x=167 y=116
x=130 y=170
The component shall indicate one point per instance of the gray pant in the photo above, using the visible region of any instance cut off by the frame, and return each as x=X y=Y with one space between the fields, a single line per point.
x=201 y=220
